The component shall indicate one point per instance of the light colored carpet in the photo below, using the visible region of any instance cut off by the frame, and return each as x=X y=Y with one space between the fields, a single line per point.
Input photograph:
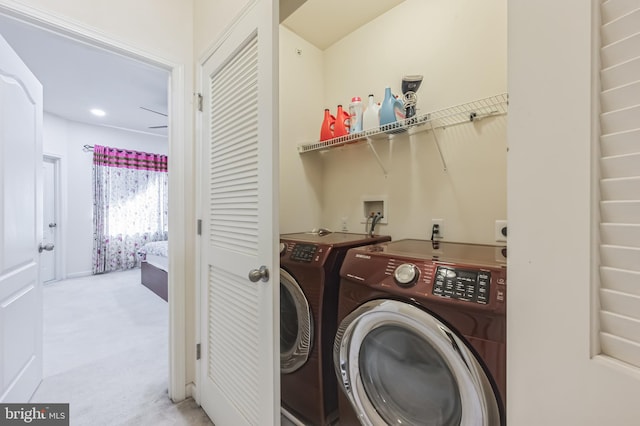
x=106 y=353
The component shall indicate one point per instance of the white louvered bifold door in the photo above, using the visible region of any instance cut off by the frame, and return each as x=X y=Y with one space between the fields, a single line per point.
x=620 y=183
x=239 y=375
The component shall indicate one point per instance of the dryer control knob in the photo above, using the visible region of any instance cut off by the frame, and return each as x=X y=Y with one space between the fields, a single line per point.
x=406 y=275
x=283 y=248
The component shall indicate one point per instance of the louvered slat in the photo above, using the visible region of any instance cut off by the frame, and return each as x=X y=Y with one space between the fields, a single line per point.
x=620 y=188
x=234 y=153
x=625 y=327
x=614 y=9
x=626 y=350
x=620 y=280
x=620 y=143
x=620 y=74
x=624 y=26
x=620 y=51
x=626 y=258
x=620 y=120
x=619 y=295
x=626 y=165
x=623 y=304
x=624 y=211
x=620 y=97
x=627 y=235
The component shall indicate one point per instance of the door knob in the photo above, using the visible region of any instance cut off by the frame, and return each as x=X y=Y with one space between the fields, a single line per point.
x=47 y=247
x=256 y=275
x=53 y=225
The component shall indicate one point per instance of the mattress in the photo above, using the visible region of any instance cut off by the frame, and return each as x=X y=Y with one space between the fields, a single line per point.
x=161 y=262
x=156 y=254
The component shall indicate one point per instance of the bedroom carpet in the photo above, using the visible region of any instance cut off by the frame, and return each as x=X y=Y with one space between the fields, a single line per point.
x=106 y=353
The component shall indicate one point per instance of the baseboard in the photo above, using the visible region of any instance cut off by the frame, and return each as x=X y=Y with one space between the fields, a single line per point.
x=78 y=275
x=191 y=391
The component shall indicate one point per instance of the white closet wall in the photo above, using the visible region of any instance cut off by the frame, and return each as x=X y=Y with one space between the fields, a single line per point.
x=460 y=49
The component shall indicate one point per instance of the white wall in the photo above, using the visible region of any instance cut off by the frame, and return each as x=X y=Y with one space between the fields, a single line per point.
x=164 y=28
x=211 y=19
x=64 y=139
x=301 y=106
x=552 y=377
x=460 y=48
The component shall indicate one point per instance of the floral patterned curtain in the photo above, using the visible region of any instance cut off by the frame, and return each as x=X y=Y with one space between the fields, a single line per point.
x=130 y=205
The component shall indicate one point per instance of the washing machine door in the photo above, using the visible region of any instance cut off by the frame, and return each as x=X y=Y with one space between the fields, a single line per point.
x=296 y=325
x=398 y=365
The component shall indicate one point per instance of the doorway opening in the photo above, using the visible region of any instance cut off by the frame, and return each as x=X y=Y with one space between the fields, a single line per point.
x=174 y=81
x=51 y=260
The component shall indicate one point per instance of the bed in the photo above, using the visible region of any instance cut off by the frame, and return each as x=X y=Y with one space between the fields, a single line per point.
x=154 y=264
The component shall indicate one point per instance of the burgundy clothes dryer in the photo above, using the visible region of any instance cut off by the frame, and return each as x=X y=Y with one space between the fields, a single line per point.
x=309 y=280
x=422 y=334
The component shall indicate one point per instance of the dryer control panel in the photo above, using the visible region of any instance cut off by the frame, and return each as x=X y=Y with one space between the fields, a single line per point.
x=303 y=252
x=307 y=254
x=462 y=284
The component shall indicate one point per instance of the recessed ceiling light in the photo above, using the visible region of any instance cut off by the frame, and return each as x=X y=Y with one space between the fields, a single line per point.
x=98 y=112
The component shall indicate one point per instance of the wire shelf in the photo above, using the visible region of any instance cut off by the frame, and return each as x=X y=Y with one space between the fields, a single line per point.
x=464 y=113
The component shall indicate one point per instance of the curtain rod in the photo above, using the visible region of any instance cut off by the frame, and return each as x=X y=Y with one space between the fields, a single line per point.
x=87 y=148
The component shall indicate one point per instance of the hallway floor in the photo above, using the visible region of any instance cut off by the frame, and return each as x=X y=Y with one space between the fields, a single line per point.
x=106 y=353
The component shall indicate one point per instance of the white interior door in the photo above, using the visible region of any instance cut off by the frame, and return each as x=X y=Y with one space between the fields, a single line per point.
x=239 y=369
x=20 y=228
x=49 y=221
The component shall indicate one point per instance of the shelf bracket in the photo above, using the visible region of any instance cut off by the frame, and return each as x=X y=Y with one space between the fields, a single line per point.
x=435 y=138
x=375 y=154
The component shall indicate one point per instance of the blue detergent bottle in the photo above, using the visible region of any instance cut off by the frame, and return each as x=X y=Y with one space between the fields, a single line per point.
x=390 y=108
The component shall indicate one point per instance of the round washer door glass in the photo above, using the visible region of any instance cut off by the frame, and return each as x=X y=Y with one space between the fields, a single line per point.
x=296 y=325
x=399 y=365
x=407 y=380
x=289 y=324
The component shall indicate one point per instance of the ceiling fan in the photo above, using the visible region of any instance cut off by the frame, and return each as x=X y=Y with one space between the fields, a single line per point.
x=156 y=112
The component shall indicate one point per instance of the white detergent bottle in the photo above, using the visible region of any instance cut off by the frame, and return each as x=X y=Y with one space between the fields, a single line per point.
x=371 y=116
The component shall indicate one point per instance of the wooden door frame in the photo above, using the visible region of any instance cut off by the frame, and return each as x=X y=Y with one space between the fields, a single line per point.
x=178 y=131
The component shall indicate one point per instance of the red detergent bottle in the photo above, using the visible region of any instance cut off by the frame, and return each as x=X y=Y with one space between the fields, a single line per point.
x=342 y=123
x=326 y=131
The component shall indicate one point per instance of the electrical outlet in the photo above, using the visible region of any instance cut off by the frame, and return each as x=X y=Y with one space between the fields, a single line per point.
x=440 y=223
x=344 y=224
x=500 y=230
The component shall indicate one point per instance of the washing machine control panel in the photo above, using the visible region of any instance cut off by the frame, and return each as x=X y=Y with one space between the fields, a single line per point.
x=303 y=252
x=462 y=284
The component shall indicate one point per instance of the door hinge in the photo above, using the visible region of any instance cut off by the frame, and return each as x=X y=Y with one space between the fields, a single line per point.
x=198 y=351
x=199 y=227
x=200 y=102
